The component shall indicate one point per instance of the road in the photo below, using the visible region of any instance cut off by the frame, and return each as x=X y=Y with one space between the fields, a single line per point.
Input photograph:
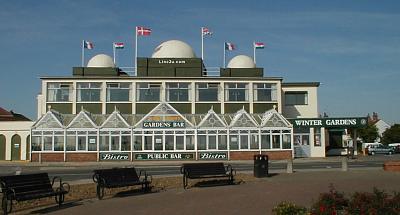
x=83 y=172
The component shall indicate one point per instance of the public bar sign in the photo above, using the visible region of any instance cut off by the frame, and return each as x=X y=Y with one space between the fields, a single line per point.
x=166 y=124
x=354 y=122
x=164 y=156
x=114 y=156
x=213 y=156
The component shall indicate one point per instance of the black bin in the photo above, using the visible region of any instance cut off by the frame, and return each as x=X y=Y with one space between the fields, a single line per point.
x=260 y=166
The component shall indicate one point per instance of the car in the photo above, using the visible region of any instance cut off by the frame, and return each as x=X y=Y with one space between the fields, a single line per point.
x=380 y=149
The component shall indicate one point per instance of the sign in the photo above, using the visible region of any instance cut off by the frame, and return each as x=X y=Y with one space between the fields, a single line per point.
x=355 y=122
x=171 y=61
x=213 y=156
x=166 y=124
x=164 y=156
x=114 y=156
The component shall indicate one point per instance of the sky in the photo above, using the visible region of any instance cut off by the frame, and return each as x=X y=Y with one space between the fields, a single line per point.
x=352 y=47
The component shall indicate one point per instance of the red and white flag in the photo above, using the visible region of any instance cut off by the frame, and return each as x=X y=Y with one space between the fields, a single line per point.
x=143 y=31
x=88 y=45
x=206 y=31
x=230 y=46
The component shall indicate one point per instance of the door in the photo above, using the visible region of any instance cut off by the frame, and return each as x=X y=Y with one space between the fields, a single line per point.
x=2 y=147
x=16 y=148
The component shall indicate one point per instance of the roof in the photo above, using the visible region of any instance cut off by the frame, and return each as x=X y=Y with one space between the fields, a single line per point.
x=155 y=78
x=11 y=116
x=301 y=84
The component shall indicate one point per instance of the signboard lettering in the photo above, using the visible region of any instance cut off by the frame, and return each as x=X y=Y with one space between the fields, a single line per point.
x=170 y=61
x=164 y=156
x=163 y=124
x=114 y=156
x=356 y=122
x=213 y=156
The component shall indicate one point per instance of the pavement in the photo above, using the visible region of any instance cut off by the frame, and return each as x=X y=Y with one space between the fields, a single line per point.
x=254 y=197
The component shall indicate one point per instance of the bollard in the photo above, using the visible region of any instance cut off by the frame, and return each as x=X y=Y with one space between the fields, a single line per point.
x=344 y=164
x=289 y=167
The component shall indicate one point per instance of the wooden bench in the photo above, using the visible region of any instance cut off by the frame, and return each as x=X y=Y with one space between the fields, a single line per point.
x=120 y=177
x=206 y=170
x=30 y=186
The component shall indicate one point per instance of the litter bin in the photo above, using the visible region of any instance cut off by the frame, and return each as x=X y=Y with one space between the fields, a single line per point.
x=260 y=166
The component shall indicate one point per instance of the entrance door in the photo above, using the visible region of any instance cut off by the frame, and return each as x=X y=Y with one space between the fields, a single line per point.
x=16 y=147
x=2 y=147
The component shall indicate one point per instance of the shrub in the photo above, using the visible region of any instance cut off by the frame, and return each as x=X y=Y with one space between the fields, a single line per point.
x=375 y=203
x=287 y=208
x=330 y=203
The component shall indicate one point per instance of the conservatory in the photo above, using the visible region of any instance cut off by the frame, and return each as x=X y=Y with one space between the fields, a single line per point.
x=162 y=134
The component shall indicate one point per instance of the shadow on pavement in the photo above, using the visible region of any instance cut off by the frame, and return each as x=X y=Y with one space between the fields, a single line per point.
x=57 y=208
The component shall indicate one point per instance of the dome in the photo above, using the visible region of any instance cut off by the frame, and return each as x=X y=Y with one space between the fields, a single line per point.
x=241 y=61
x=101 y=60
x=173 y=49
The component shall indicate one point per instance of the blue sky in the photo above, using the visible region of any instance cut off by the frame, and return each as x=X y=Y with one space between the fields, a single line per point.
x=352 y=46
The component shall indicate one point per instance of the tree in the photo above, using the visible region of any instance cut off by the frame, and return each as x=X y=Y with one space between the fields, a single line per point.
x=391 y=135
x=368 y=134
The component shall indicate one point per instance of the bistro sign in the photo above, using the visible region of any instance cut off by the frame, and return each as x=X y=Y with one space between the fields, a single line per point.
x=164 y=156
x=213 y=156
x=166 y=124
x=355 y=122
x=114 y=156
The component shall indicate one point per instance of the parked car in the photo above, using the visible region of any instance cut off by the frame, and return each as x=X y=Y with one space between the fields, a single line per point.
x=380 y=149
x=396 y=149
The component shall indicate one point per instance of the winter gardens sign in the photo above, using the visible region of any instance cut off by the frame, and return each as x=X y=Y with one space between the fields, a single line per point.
x=351 y=122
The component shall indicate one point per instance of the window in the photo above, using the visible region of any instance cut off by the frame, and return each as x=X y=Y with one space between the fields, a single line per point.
x=296 y=98
x=301 y=136
x=148 y=92
x=36 y=143
x=233 y=142
x=118 y=92
x=207 y=92
x=317 y=136
x=202 y=142
x=137 y=143
x=236 y=92
x=265 y=92
x=58 y=143
x=125 y=143
x=59 y=92
x=286 y=141
x=276 y=141
x=88 y=92
x=189 y=142
x=178 y=92
x=71 y=141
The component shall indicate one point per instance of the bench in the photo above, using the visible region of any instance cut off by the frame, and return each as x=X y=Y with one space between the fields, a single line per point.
x=120 y=177
x=29 y=187
x=206 y=170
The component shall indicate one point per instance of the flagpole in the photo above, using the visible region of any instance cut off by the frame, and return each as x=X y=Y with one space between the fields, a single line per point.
x=136 y=41
x=114 y=52
x=254 y=52
x=83 y=53
x=224 y=53
x=202 y=43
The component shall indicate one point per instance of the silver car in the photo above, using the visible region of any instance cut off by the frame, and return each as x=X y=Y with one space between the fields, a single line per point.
x=380 y=149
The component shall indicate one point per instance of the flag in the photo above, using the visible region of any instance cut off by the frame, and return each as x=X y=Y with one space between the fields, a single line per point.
x=88 y=45
x=119 y=45
x=142 y=31
x=206 y=31
x=258 y=45
x=230 y=46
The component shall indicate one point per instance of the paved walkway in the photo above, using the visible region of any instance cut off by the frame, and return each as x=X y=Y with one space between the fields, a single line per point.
x=256 y=197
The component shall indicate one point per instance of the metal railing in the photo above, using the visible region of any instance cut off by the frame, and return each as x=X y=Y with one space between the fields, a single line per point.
x=209 y=72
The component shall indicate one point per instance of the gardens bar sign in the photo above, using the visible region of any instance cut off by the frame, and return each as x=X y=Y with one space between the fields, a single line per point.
x=213 y=156
x=114 y=156
x=164 y=156
x=167 y=124
x=355 y=122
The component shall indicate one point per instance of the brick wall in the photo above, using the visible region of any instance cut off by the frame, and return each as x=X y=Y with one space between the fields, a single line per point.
x=81 y=157
x=275 y=155
x=52 y=157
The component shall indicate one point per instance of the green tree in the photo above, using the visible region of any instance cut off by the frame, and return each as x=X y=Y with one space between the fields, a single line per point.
x=391 y=135
x=368 y=134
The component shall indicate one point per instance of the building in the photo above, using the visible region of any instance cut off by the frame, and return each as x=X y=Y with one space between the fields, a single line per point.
x=173 y=107
x=15 y=132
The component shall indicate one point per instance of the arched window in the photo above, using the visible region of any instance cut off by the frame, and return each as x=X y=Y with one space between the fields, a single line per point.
x=16 y=147
x=2 y=147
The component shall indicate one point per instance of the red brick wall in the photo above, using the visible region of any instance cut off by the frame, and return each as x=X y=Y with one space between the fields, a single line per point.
x=35 y=157
x=81 y=157
x=275 y=155
x=393 y=166
x=52 y=157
